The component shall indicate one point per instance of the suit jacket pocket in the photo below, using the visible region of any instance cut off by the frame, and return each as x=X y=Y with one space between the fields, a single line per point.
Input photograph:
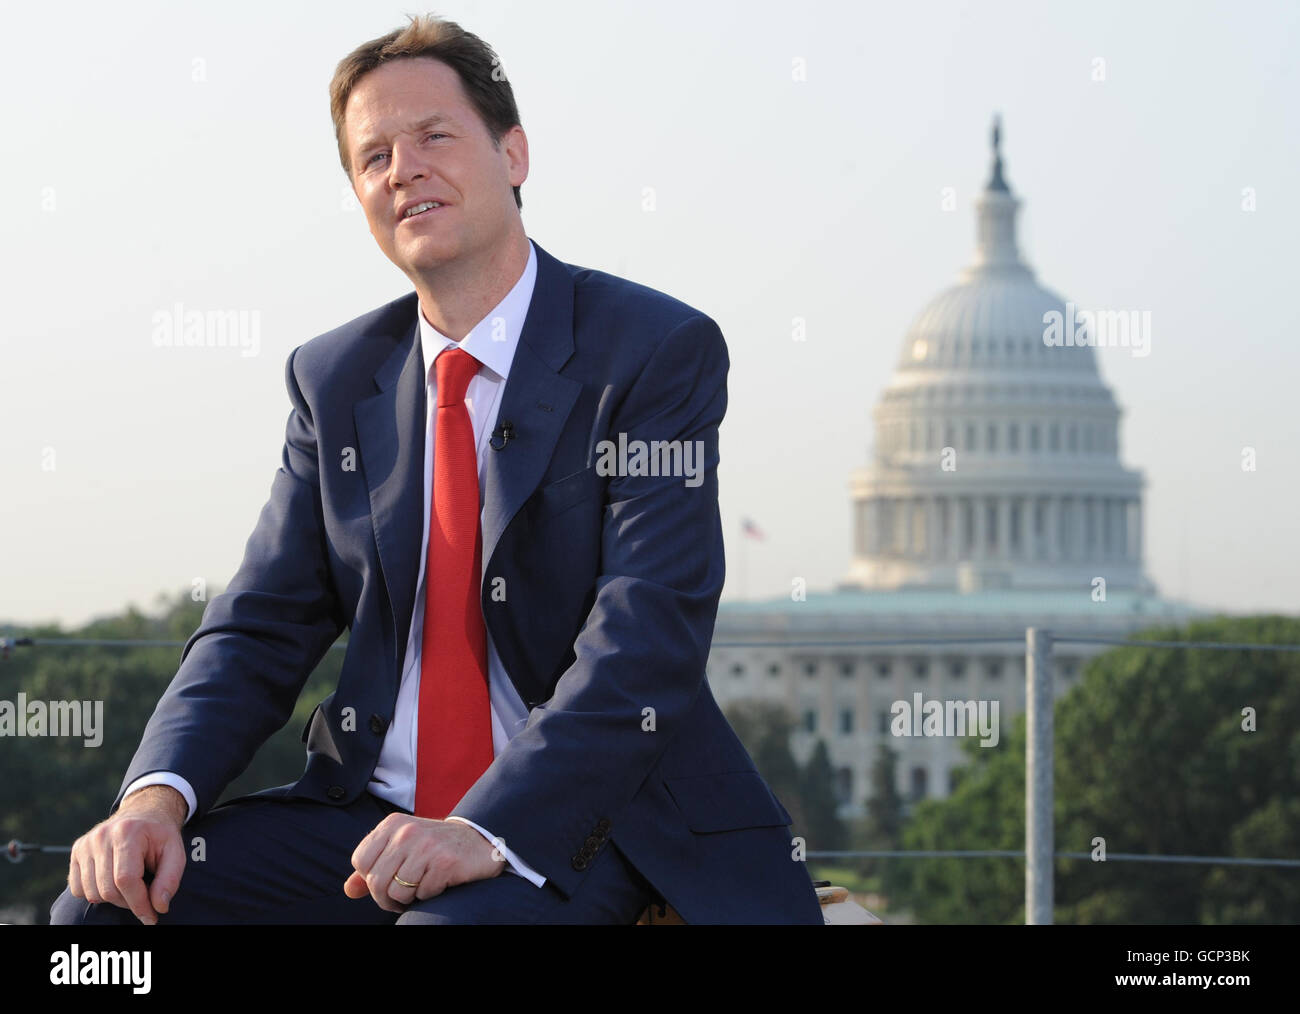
x=727 y=801
x=566 y=491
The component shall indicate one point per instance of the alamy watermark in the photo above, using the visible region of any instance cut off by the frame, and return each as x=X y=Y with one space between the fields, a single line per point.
x=75 y=967
x=920 y=717
x=1099 y=328
x=79 y=719
x=655 y=457
x=182 y=328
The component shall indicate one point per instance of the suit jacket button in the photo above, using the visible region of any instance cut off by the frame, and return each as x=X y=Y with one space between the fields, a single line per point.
x=336 y=792
x=580 y=863
x=603 y=823
x=377 y=724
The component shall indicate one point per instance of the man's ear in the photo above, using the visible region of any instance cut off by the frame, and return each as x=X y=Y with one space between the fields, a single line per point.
x=516 y=142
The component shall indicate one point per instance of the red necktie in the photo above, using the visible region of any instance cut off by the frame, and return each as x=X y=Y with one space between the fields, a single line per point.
x=454 y=742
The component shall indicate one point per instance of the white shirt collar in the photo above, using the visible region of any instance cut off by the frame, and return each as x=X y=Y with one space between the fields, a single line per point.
x=492 y=341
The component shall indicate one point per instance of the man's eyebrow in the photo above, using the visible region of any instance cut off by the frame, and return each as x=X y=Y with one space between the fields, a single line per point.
x=436 y=119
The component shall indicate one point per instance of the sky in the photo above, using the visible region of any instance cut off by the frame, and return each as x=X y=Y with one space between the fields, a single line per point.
x=156 y=154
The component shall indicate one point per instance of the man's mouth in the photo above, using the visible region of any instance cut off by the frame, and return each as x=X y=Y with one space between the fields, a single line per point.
x=420 y=209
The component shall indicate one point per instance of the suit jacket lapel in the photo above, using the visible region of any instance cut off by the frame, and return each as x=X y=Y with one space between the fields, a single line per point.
x=536 y=399
x=390 y=431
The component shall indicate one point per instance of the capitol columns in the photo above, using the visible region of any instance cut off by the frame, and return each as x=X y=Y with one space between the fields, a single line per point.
x=1113 y=530
x=1004 y=527
x=1106 y=527
x=1077 y=533
x=1022 y=507
x=1053 y=513
x=1137 y=530
x=1098 y=550
x=931 y=527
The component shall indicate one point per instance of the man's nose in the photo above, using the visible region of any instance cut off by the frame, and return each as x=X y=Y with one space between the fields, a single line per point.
x=406 y=164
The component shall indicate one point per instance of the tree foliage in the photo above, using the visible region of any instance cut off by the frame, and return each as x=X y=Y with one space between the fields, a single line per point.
x=1152 y=755
x=55 y=789
x=808 y=793
x=821 y=809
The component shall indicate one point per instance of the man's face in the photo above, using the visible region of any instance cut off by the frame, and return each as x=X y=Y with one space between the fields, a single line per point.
x=414 y=137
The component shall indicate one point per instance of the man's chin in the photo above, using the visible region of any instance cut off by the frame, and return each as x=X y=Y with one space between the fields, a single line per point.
x=423 y=259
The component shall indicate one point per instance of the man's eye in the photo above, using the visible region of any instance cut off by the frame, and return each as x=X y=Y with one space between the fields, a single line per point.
x=380 y=154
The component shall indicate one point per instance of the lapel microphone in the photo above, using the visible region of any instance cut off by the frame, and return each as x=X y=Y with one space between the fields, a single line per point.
x=501 y=435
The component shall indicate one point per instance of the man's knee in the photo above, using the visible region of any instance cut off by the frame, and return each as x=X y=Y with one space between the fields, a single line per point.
x=69 y=910
x=505 y=899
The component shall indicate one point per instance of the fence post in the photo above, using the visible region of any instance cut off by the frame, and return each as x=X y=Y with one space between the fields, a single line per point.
x=1039 y=753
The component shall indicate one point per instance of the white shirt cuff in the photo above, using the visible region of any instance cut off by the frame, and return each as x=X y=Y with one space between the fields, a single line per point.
x=513 y=863
x=167 y=778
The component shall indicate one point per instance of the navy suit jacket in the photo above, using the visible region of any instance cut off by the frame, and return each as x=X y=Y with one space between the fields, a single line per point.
x=600 y=593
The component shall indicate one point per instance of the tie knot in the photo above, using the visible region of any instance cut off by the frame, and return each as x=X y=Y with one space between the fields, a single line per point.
x=455 y=368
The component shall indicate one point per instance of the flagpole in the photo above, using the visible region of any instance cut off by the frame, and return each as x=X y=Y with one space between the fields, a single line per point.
x=748 y=530
x=744 y=561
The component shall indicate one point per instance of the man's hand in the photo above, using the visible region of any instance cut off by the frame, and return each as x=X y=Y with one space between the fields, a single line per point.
x=109 y=860
x=432 y=854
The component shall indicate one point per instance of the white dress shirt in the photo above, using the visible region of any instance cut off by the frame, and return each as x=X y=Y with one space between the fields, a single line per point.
x=492 y=342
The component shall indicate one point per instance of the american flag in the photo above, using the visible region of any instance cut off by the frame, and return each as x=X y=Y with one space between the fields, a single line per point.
x=747 y=527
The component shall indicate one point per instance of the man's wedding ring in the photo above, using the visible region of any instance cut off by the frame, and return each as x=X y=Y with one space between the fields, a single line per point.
x=403 y=882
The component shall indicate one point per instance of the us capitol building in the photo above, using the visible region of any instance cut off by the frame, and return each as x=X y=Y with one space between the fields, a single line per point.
x=995 y=501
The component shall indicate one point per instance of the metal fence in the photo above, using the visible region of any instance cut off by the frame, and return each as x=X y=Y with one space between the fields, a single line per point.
x=1039 y=852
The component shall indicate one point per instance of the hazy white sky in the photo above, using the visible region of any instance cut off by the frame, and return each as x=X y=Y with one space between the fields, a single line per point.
x=130 y=186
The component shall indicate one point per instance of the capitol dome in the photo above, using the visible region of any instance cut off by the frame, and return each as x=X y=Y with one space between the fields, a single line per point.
x=996 y=460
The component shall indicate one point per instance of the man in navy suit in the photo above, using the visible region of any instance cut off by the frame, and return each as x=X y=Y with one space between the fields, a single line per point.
x=590 y=411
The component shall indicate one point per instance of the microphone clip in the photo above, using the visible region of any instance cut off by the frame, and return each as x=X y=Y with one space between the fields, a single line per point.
x=502 y=435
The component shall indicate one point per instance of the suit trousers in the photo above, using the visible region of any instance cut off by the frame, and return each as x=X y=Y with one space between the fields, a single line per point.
x=283 y=860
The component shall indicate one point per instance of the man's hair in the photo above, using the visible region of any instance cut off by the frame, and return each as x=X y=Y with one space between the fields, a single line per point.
x=478 y=67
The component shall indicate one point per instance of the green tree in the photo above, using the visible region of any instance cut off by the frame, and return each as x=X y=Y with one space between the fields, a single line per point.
x=825 y=831
x=764 y=728
x=884 y=823
x=882 y=828
x=1153 y=755
x=55 y=789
